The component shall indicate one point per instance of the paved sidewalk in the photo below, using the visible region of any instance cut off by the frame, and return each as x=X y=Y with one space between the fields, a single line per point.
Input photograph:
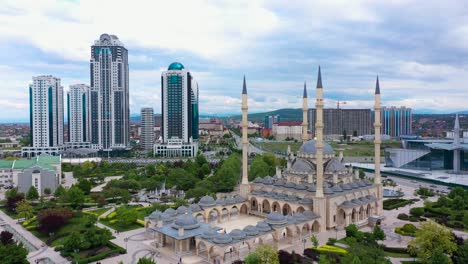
x=43 y=251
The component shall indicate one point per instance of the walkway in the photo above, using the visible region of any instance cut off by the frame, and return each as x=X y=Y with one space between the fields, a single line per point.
x=100 y=187
x=44 y=250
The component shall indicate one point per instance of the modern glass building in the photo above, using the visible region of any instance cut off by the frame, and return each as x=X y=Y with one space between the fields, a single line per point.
x=147 y=128
x=46 y=116
x=110 y=112
x=179 y=108
x=79 y=121
x=396 y=121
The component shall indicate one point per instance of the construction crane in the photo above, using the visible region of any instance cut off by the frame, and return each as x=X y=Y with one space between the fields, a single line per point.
x=338 y=104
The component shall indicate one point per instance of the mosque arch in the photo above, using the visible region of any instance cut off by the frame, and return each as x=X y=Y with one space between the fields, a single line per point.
x=224 y=214
x=200 y=217
x=354 y=217
x=254 y=204
x=275 y=206
x=148 y=224
x=361 y=213
x=369 y=210
x=287 y=210
x=266 y=208
x=315 y=227
x=300 y=209
x=202 y=250
x=214 y=215
x=341 y=217
x=305 y=229
x=244 y=209
x=234 y=211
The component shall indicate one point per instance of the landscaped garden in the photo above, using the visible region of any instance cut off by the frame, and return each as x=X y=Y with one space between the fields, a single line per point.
x=391 y=204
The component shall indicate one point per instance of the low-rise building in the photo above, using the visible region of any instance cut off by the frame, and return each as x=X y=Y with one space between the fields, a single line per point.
x=42 y=172
x=287 y=130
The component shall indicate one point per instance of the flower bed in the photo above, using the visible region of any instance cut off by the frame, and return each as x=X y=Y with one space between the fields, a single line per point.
x=332 y=249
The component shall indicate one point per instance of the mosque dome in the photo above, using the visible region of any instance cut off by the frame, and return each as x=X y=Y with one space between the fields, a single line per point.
x=258 y=180
x=185 y=221
x=263 y=227
x=361 y=184
x=209 y=234
x=354 y=185
x=300 y=187
x=195 y=208
x=250 y=230
x=222 y=239
x=302 y=165
x=309 y=147
x=291 y=220
x=166 y=218
x=334 y=165
x=275 y=218
x=181 y=210
x=290 y=185
x=221 y=202
x=171 y=212
x=299 y=217
x=240 y=199
x=327 y=190
x=156 y=215
x=207 y=201
x=309 y=214
x=279 y=182
x=230 y=200
x=237 y=234
x=336 y=188
x=306 y=201
x=175 y=66
x=312 y=188
x=346 y=186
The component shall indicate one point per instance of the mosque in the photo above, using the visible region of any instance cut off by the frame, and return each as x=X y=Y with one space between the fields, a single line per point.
x=313 y=194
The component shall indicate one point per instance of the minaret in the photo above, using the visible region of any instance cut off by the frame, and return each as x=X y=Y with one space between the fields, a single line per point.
x=319 y=135
x=456 y=143
x=305 y=109
x=377 y=141
x=244 y=188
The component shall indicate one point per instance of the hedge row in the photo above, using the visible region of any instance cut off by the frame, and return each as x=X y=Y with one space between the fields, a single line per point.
x=114 y=251
x=391 y=204
x=333 y=249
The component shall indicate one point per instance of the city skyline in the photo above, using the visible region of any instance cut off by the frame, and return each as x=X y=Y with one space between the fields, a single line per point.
x=276 y=49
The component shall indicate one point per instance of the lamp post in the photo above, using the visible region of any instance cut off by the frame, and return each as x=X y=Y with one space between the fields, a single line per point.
x=304 y=240
x=336 y=232
x=126 y=240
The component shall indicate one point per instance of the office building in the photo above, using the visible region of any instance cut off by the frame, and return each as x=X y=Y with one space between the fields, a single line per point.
x=147 y=128
x=270 y=120
x=179 y=93
x=356 y=122
x=287 y=130
x=110 y=113
x=79 y=121
x=396 y=121
x=46 y=116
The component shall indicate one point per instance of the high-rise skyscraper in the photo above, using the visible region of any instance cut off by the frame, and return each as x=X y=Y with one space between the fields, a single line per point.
x=396 y=121
x=147 y=128
x=46 y=116
x=355 y=122
x=79 y=121
x=179 y=93
x=110 y=113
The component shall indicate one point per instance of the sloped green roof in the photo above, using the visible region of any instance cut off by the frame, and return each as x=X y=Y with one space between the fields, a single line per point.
x=6 y=164
x=24 y=163
x=45 y=158
x=44 y=161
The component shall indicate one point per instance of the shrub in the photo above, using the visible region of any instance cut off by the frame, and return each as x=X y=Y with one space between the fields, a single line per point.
x=414 y=219
x=140 y=222
x=331 y=241
x=404 y=217
x=111 y=215
x=417 y=211
x=113 y=221
x=31 y=227
x=395 y=250
x=29 y=221
x=390 y=204
x=406 y=230
x=332 y=249
x=53 y=219
x=312 y=253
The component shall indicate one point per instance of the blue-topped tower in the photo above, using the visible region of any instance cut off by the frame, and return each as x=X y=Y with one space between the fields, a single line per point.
x=179 y=108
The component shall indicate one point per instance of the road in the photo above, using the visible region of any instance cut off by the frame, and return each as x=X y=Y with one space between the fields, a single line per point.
x=252 y=148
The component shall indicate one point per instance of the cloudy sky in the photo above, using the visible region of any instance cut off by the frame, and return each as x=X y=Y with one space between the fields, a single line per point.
x=418 y=48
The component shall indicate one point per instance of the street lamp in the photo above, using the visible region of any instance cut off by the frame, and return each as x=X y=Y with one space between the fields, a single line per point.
x=304 y=240
x=336 y=232
x=126 y=240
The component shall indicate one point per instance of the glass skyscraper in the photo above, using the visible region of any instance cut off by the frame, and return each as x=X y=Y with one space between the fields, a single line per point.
x=110 y=113
x=396 y=121
x=180 y=104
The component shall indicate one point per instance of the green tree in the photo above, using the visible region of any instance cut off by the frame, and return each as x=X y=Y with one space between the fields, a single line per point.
x=60 y=191
x=32 y=194
x=314 y=241
x=432 y=239
x=258 y=168
x=126 y=216
x=73 y=241
x=47 y=191
x=24 y=209
x=253 y=258
x=145 y=261
x=365 y=254
x=461 y=256
x=85 y=185
x=87 y=167
x=267 y=254
x=75 y=196
x=378 y=233
x=13 y=253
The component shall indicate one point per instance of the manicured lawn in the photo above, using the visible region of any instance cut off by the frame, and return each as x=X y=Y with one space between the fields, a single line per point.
x=397 y=255
x=280 y=146
x=77 y=223
x=100 y=211
x=120 y=228
x=391 y=204
x=10 y=214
